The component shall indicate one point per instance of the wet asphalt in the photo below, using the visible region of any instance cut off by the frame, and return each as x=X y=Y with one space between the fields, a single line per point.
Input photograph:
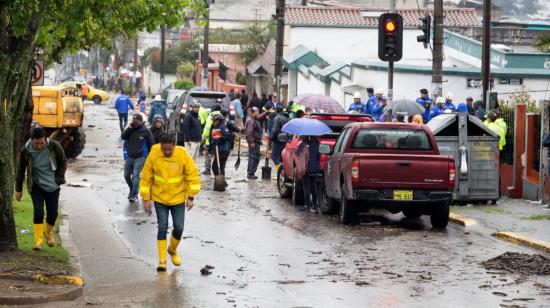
x=265 y=252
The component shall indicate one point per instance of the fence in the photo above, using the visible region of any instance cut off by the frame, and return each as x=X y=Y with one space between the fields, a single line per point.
x=536 y=141
x=507 y=153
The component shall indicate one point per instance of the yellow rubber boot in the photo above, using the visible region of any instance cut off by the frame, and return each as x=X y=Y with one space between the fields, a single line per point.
x=277 y=166
x=172 y=251
x=161 y=245
x=48 y=233
x=38 y=236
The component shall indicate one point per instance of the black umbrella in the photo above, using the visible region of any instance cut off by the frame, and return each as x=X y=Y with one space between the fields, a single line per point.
x=407 y=106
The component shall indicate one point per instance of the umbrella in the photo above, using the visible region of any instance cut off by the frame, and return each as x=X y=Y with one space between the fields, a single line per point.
x=406 y=106
x=306 y=127
x=319 y=103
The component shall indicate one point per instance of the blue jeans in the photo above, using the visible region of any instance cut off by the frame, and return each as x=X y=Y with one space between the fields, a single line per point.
x=132 y=170
x=178 y=219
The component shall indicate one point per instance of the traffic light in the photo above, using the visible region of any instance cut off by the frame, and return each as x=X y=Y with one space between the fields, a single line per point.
x=425 y=27
x=390 y=37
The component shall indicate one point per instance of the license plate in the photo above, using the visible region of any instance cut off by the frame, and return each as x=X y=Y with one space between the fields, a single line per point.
x=402 y=195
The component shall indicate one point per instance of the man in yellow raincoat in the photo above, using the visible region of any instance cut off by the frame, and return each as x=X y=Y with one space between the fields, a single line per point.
x=498 y=126
x=169 y=179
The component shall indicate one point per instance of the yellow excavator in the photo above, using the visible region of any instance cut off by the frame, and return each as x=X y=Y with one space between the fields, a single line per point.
x=60 y=111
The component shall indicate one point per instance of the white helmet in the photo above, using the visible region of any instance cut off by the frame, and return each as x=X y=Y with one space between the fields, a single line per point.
x=449 y=96
x=379 y=91
x=440 y=100
x=357 y=95
x=158 y=97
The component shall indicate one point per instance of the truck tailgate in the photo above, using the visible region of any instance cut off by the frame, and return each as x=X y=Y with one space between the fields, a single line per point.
x=428 y=172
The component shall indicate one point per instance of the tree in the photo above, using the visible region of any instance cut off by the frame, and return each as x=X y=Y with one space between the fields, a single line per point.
x=543 y=43
x=186 y=70
x=52 y=28
x=257 y=39
x=184 y=84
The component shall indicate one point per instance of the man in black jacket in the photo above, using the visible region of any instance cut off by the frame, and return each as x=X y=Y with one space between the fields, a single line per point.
x=138 y=143
x=45 y=164
x=191 y=129
x=277 y=137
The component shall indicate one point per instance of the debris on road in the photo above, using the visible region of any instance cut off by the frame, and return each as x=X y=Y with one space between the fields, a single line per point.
x=207 y=270
x=289 y=281
x=520 y=263
x=80 y=184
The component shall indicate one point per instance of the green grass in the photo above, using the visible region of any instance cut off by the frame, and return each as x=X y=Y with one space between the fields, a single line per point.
x=51 y=260
x=536 y=217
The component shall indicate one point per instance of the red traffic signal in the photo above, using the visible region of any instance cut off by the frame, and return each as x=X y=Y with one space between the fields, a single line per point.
x=390 y=37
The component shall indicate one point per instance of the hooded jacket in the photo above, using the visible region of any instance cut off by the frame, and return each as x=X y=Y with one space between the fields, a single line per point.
x=169 y=180
x=280 y=120
x=191 y=127
x=139 y=141
x=25 y=163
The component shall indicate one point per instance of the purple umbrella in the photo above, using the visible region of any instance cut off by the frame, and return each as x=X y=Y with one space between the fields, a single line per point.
x=306 y=127
x=319 y=103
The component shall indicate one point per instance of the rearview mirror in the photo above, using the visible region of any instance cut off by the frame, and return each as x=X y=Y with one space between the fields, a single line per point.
x=325 y=149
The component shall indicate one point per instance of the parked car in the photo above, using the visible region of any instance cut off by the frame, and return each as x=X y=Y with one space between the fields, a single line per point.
x=207 y=99
x=393 y=166
x=170 y=96
x=290 y=187
x=95 y=95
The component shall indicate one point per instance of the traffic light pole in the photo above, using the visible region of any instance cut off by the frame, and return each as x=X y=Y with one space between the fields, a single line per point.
x=390 y=91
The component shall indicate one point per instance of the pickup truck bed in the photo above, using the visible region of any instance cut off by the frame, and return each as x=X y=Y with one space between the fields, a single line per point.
x=392 y=166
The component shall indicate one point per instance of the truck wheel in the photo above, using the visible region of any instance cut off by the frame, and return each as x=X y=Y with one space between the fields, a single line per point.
x=328 y=206
x=440 y=216
x=284 y=190
x=348 y=213
x=78 y=141
x=297 y=191
x=97 y=99
x=412 y=213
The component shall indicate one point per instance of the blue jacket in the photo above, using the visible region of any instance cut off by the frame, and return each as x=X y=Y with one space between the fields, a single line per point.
x=378 y=111
x=427 y=104
x=223 y=142
x=122 y=103
x=449 y=105
x=436 y=110
x=238 y=108
x=157 y=108
x=354 y=106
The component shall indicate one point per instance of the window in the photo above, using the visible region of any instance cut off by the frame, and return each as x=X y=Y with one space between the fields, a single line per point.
x=338 y=144
x=392 y=139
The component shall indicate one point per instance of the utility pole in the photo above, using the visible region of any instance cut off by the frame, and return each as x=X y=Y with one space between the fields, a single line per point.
x=134 y=75
x=437 y=64
x=390 y=75
x=162 y=53
x=486 y=53
x=280 y=44
x=204 y=75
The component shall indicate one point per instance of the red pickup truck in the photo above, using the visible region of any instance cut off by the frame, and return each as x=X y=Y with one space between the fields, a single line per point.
x=288 y=186
x=394 y=166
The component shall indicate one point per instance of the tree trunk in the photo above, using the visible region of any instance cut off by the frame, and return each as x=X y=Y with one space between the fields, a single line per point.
x=23 y=131
x=8 y=239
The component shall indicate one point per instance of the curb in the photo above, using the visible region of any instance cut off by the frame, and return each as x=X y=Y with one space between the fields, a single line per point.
x=523 y=241
x=77 y=278
x=459 y=220
x=71 y=295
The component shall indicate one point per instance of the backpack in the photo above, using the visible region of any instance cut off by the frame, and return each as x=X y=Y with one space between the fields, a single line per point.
x=158 y=108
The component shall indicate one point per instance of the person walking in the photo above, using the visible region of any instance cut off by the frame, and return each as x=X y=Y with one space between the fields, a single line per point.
x=141 y=103
x=425 y=101
x=122 y=104
x=44 y=162
x=239 y=114
x=191 y=129
x=157 y=129
x=219 y=144
x=312 y=172
x=278 y=138
x=158 y=107
x=254 y=140
x=138 y=144
x=85 y=90
x=169 y=180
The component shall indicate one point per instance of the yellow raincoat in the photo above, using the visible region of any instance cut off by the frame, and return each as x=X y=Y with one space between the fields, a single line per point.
x=169 y=180
x=500 y=128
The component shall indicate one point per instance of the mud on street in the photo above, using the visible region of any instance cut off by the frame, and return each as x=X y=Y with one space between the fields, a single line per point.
x=263 y=252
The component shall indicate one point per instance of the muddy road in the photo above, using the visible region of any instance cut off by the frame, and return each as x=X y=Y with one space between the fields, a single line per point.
x=266 y=253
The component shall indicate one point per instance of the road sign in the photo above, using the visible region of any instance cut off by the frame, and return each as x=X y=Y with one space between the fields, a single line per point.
x=38 y=73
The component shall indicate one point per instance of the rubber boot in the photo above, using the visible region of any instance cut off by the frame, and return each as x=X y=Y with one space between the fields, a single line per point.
x=48 y=233
x=161 y=245
x=172 y=251
x=38 y=236
x=277 y=166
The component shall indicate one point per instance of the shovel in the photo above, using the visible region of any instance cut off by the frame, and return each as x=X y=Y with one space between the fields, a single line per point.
x=238 y=162
x=219 y=180
x=266 y=170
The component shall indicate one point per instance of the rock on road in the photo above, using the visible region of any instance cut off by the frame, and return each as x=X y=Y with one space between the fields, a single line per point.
x=265 y=252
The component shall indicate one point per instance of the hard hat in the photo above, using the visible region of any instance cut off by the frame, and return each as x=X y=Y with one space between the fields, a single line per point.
x=357 y=95
x=379 y=91
x=196 y=104
x=440 y=100
x=217 y=116
x=158 y=98
x=447 y=111
x=449 y=96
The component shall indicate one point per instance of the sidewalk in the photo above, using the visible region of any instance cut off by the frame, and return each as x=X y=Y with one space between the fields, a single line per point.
x=521 y=218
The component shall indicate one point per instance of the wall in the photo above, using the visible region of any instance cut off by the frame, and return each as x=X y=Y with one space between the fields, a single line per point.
x=309 y=85
x=232 y=61
x=151 y=80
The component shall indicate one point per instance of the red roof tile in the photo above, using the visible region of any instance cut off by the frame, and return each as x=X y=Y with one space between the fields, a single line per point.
x=353 y=17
